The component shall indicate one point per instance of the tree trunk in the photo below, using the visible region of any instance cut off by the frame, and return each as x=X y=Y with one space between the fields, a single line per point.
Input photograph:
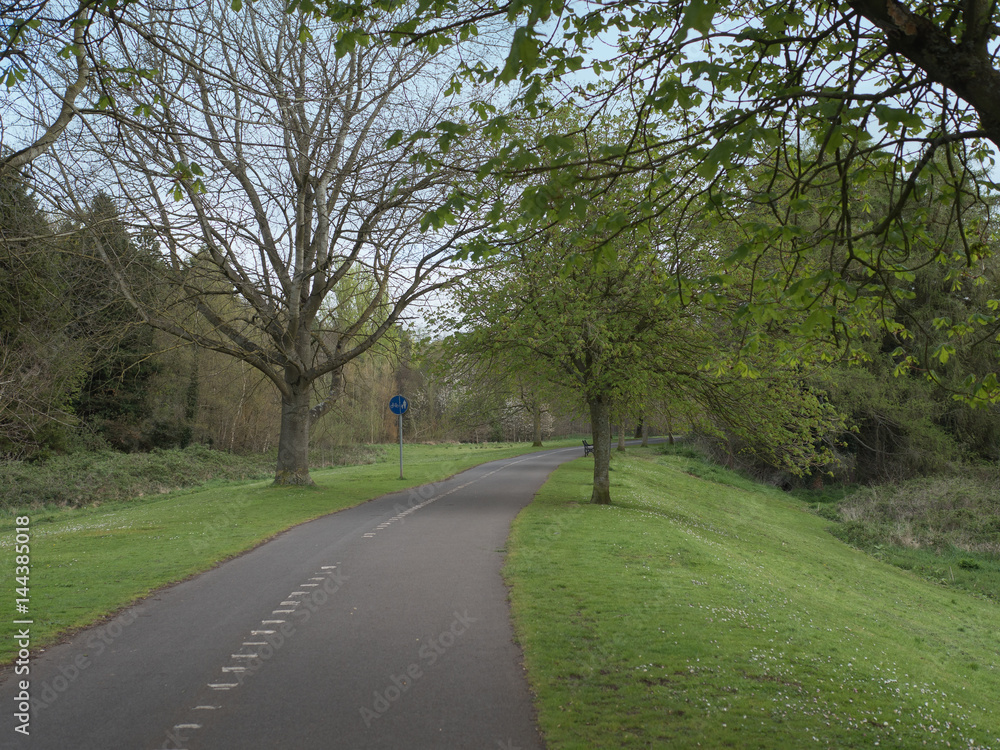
x=621 y=437
x=193 y=390
x=293 y=443
x=600 y=424
x=640 y=428
x=537 y=424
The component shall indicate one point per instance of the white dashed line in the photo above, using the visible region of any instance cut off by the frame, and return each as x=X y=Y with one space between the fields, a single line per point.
x=288 y=602
x=415 y=508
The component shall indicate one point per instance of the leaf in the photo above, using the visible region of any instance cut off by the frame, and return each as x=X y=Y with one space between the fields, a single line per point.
x=14 y=76
x=835 y=139
x=523 y=55
x=893 y=117
x=699 y=15
x=394 y=140
x=450 y=132
x=944 y=352
x=556 y=143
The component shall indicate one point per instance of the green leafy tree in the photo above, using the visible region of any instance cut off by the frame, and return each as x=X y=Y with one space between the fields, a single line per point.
x=923 y=321
x=905 y=420
x=800 y=111
x=614 y=333
x=578 y=338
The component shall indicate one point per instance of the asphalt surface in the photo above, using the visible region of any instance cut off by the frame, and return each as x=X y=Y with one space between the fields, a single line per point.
x=382 y=626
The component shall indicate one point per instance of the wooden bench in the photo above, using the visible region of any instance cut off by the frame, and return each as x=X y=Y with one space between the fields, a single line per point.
x=587 y=448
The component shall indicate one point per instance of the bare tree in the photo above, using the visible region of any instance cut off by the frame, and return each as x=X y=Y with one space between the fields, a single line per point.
x=35 y=116
x=267 y=158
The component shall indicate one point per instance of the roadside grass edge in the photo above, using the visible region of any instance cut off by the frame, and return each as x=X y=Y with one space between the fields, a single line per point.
x=704 y=613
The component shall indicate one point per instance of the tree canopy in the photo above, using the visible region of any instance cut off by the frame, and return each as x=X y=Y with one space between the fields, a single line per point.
x=624 y=325
x=805 y=126
x=836 y=153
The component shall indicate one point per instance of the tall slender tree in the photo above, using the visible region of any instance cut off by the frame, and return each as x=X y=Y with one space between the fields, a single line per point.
x=113 y=399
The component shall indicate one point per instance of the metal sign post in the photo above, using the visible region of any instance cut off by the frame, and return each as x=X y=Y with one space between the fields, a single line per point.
x=398 y=405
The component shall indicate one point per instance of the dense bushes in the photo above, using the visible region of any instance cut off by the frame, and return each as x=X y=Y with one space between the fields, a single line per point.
x=899 y=428
x=86 y=478
x=929 y=513
x=97 y=477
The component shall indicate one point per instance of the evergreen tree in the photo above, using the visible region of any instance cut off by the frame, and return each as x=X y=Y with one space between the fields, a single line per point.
x=40 y=364
x=114 y=398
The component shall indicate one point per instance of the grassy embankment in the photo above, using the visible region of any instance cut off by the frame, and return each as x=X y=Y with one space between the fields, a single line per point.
x=712 y=612
x=90 y=561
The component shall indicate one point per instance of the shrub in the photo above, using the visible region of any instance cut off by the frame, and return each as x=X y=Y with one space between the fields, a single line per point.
x=958 y=511
x=103 y=476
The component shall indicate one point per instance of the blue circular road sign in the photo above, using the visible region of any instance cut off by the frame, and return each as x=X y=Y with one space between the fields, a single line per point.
x=398 y=405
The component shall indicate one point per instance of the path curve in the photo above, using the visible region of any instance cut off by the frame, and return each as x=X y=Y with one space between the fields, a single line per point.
x=382 y=626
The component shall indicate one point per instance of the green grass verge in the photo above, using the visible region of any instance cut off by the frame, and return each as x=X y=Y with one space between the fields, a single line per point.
x=697 y=613
x=89 y=562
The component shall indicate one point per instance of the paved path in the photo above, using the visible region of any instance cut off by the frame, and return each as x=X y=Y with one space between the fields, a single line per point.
x=382 y=626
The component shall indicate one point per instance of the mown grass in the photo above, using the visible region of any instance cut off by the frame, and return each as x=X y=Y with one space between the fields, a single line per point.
x=697 y=613
x=91 y=561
